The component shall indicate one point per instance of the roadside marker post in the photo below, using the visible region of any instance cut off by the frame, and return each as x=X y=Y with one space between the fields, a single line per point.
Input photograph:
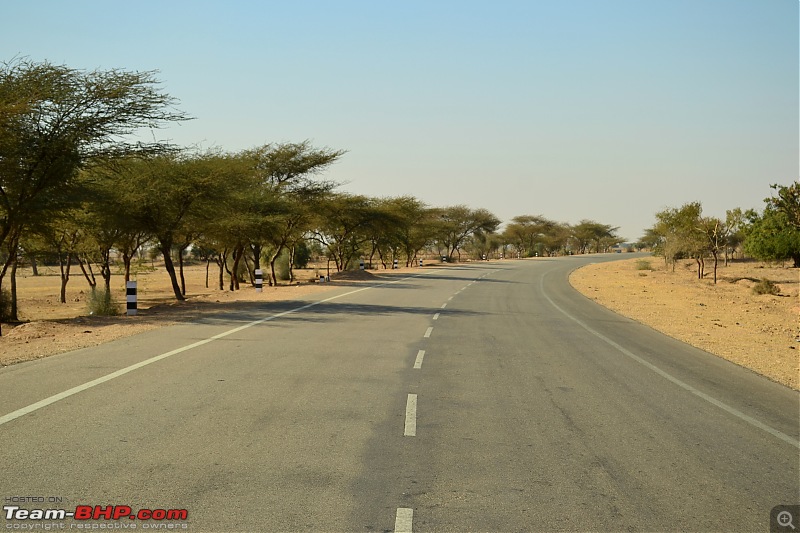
x=259 y=280
x=395 y=264
x=361 y=264
x=130 y=297
x=420 y=262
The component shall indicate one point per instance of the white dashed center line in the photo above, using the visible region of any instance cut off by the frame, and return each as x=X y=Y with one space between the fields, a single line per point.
x=436 y=316
x=420 y=356
x=428 y=332
x=411 y=416
x=404 y=520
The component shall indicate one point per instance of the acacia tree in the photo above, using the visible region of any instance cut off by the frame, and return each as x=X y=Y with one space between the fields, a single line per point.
x=588 y=232
x=458 y=223
x=176 y=193
x=526 y=231
x=341 y=222
x=414 y=225
x=680 y=235
x=55 y=120
x=286 y=174
x=716 y=233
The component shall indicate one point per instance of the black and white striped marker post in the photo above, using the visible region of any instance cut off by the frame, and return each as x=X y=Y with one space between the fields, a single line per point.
x=420 y=262
x=130 y=297
x=259 y=280
x=361 y=265
x=395 y=265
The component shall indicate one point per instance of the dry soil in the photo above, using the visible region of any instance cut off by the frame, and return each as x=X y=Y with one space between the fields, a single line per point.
x=759 y=332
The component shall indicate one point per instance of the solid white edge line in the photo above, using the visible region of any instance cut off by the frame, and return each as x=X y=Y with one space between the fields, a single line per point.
x=428 y=332
x=418 y=361
x=669 y=377
x=410 y=429
x=121 y=372
x=404 y=520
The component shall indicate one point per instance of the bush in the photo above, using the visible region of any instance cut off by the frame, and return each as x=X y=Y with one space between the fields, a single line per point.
x=643 y=264
x=282 y=266
x=101 y=303
x=302 y=255
x=5 y=305
x=765 y=286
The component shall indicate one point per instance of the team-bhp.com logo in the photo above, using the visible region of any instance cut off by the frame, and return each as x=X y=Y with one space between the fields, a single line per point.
x=93 y=513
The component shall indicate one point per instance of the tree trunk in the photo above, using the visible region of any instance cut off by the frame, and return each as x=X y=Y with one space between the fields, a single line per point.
x=126 y=261
x=208 y=265
x=14 y=316
x=88 y=273
x=716 y=260
x=12 y=248
x=273 y=279
x=34 y=266
x=105 y=270
x=256 y=248
x=180 y=269
x=237 y=257
x=166 y=248
x=291 y=264
x=221 y=264
x=64 y=277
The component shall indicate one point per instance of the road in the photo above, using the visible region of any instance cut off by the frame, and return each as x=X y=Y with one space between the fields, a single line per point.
x=481 y=397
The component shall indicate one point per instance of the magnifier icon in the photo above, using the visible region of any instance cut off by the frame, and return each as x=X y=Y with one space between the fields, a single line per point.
x=785 y=519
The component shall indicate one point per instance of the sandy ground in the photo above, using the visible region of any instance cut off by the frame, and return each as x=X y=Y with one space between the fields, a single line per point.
x=759 y=332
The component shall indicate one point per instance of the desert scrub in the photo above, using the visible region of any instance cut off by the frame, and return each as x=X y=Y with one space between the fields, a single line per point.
x=101 y=303
x=643 y=264
x=766 y=286
x=5 y=305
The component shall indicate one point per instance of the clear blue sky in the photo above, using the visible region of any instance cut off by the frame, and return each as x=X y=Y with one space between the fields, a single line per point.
x=608 y=110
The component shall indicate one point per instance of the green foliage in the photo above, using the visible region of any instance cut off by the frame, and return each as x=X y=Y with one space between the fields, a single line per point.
x=282 y=266
x=588 y=232
x=102 y=303
x=456 y=224
x=302 y=255
x=5 y=306
x=765 y=286
x=774 y=235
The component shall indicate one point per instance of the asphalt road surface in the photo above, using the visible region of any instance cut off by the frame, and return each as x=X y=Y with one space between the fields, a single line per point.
x=482 y=397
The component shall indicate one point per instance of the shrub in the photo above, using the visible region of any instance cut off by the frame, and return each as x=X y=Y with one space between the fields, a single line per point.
x=282 y=266
x=5 y=305
x=643 y=264
x=766 y=286
x=101 y=303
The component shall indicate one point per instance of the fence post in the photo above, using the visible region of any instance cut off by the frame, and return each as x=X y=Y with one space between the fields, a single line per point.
x=130 y=297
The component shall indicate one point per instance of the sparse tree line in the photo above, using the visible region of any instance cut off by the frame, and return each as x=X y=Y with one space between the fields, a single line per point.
x=76 y=192
x=770 y=235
